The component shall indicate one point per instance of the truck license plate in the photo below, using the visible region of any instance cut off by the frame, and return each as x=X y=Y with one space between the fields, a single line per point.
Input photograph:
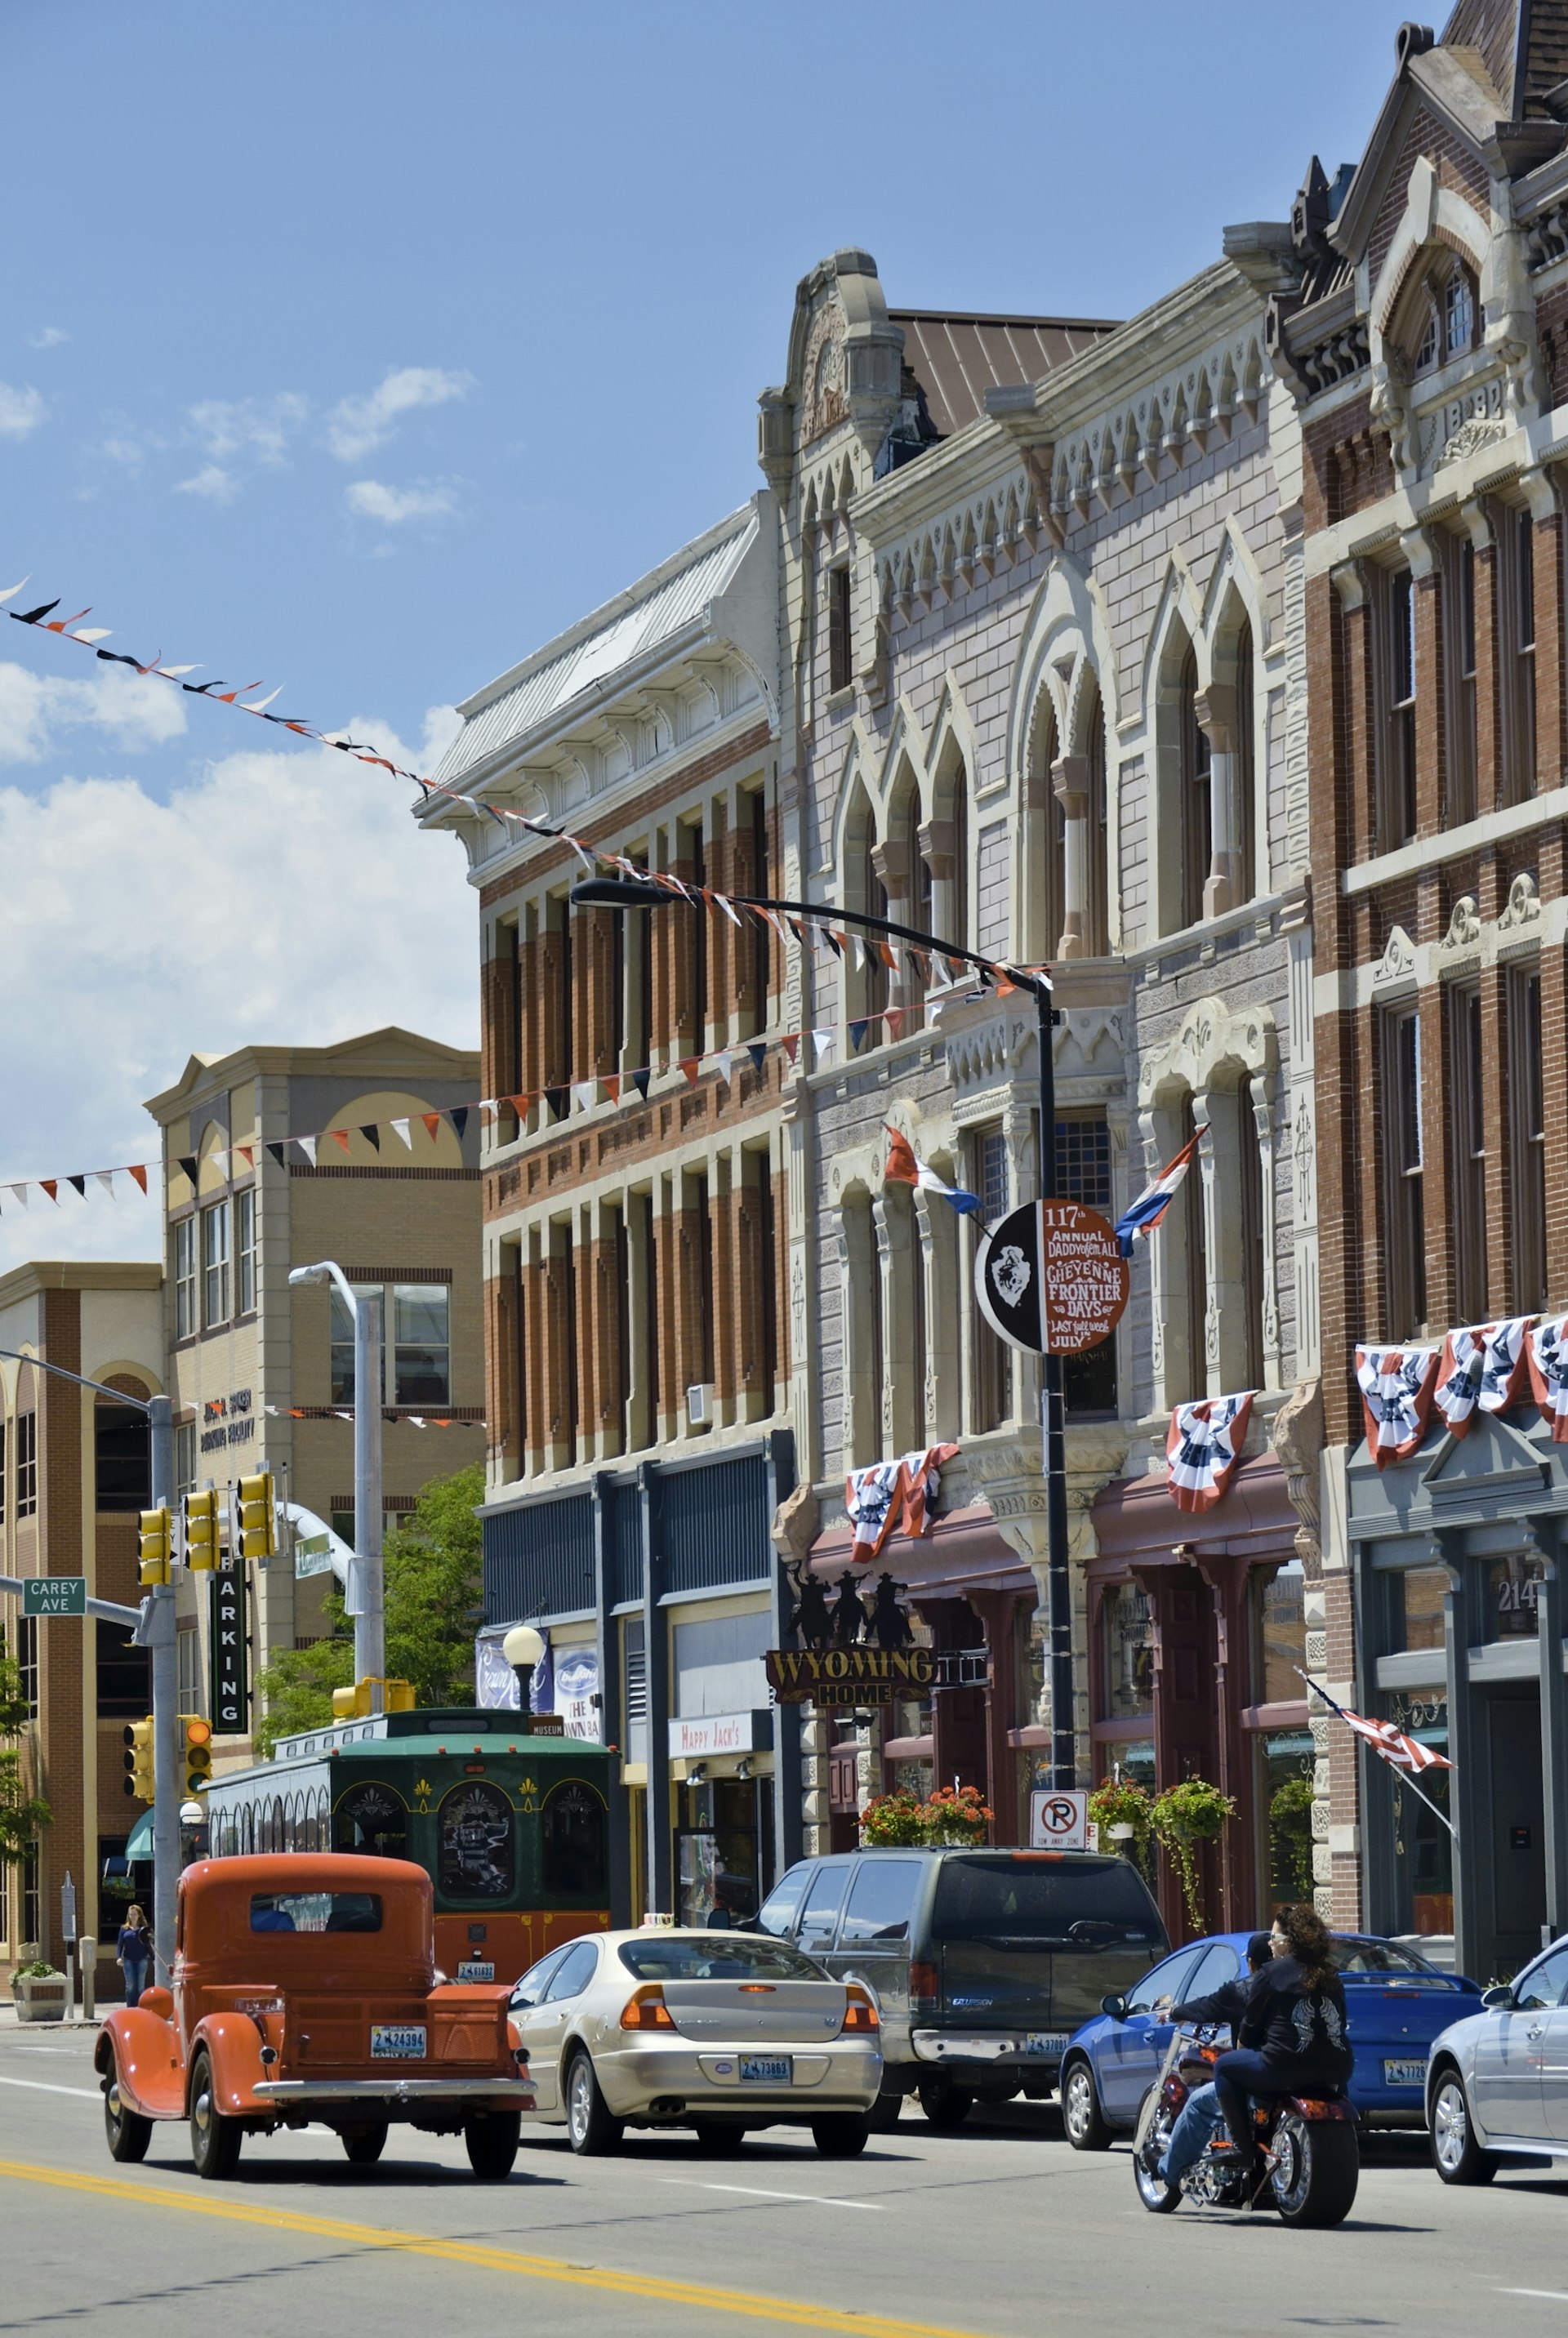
x=1404 y=2074
x=396 y=2041
x=474 y=1970
x=1044 y=2042
x=768 y=2069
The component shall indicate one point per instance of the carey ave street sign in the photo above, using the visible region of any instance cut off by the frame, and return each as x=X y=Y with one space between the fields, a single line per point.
x=55 y=1594
x=1051 y=1278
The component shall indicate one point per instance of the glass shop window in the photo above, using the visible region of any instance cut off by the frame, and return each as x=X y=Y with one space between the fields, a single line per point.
x=1416 y=1607
x=1127 y=1640
x=1281 y=1641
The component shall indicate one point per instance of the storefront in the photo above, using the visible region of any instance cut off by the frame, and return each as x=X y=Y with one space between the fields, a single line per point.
x=1196 y=1625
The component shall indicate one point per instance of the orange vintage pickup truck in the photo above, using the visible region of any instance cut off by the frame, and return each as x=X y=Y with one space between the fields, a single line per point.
x=305 y=1990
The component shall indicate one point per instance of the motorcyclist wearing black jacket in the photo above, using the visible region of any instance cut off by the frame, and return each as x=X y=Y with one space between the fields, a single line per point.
x=1293 y=2036
x=1201 y=2113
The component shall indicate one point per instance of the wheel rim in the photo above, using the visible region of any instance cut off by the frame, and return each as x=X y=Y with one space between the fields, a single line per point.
x=202 y=2116
x=1450 y=2125
x=1292 y=2170
x=1152 y=2187
x=1078 y=2108
x=115 y=2106
x=580 y=2108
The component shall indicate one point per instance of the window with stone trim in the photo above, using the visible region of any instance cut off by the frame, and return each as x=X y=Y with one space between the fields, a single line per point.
x=840 y=628
x=185 y=1319
x=991 y=1377
x=215 y=1286
x=1395 y=599
x=1467 y=1150
x=1526 y=1143
x=1516 y=538
x=1249 y=1189
x=1097 y=857
x=26 y=1465
x=1195 y=1245
x=1458 y=575
x=1197 y=798
x=245 y=1251
x=1244 y=778
x=1404 y=1167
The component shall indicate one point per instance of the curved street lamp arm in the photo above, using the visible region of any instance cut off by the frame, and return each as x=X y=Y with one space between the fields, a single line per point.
x=141 y=1403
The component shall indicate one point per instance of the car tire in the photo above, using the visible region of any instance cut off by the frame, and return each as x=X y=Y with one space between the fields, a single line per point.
x=128 y=2132
x=841 y=2134
x=590 y=2128
x=1084 y=2122
x=943 y=2104
x=1456 y=2154
x=491 y=2141
x=215 y=2137
x=886 y=2113
x=365 y=2148
x=719 y=2134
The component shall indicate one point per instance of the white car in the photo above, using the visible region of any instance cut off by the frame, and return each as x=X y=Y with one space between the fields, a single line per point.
x=1498 y=2080
x=719 y=2031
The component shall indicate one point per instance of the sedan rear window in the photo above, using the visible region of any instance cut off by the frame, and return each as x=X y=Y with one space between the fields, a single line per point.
x=1064 y=1902
x=728 y=1959
x=315 y=1911
x=1355 y=1957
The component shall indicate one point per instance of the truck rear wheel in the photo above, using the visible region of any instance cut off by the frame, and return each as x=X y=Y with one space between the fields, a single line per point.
x=365 y=2147
x=215 y=2138
x=491 y=2141
x=943 y=2104
x=129 y=2132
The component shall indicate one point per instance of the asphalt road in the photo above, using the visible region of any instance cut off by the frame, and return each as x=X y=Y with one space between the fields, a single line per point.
x=998 y=2232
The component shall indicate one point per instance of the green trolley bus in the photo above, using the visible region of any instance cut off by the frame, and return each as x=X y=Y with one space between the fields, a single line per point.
x=512 y=1828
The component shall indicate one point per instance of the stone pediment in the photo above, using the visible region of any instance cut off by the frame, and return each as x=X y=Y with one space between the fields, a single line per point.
x=1494 y=1462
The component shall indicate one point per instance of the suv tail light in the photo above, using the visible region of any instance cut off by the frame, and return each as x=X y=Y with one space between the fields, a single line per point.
x=646 y=2010
x=860 y=2013
x=924 y=1988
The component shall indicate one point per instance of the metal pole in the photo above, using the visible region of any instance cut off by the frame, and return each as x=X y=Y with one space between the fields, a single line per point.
x=1053 y=1428
x=158 y=1634
x=370 y=1624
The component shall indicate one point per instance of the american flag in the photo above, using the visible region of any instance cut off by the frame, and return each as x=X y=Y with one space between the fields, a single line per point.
x=1401 y=1753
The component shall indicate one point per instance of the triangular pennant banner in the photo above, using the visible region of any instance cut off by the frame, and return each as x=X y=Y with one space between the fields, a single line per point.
x=432 y=1121
x=51 y=1186
x=585 y=1095
x=405 y=1132
x=105 y=1178
x=790 y=1043
x=758 y=1051
x=457 y=1113
x=247 y=1153
x=219 y=1157
x=612 y=1084
x=80 y=1183
x=189 y=1164
x=834 y=941
x=894 y=1019
x=639 y=1082
x=138 y=1169
x=719 y=1060
x=307 y=1147
x=821 y=1041
x=857 y=1030
x=21 y=1193
x=340 y=1136
x=372 y=1135
x=692 y=1065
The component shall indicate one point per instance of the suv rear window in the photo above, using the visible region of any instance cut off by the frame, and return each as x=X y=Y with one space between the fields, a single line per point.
x=1066 y=1902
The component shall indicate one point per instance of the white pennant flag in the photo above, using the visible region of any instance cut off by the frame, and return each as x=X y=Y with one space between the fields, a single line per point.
x=219 y=1160
x=721 y=1059
x=859 y=953
x=414 y=1419
x=21 y=1193
x=727 y=907
x=105 y=1178
x=307 y=1147
x=584 y=1094
x=402 y=1128
x=821 y=1041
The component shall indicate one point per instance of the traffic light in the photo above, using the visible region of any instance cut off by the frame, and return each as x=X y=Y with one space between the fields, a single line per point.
x=201 y=1531
x=157 y=1544
x=196 y=1741
x=258 y=1537
x=139 y=1760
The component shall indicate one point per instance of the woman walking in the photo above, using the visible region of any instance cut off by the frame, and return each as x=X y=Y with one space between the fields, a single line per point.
x=133 y=1953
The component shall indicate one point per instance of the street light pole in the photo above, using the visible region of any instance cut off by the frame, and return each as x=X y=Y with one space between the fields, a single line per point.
x=631 y=893
x=366 y=1583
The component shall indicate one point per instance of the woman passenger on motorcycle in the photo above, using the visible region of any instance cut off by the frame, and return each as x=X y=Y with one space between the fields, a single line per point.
x=1292 y=2036
x=1201 y=2114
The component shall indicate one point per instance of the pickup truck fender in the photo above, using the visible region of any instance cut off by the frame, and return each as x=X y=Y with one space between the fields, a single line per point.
x=234 y=2046
x=139 y=2050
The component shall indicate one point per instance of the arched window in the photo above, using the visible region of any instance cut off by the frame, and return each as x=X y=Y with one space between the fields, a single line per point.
x=1444 y=312
x=1243 y=784
x=1197 y=806
x=1048 y=909
x=960 y=890
x=371 y=1818
x=1096 y=839
x=573 y=1842
x=476 y=1840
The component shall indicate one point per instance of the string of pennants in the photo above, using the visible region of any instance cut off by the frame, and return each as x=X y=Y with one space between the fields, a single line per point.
x=990 y=972
x=334 y=1413
x=584 y=1093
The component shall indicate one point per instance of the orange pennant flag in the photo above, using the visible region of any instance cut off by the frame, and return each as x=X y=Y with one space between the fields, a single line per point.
x=340 y=1136
x=432 y=1121
x=692 y=1065
x=894 y=1018
x=138 y=1170
x=612 y=1083
x=51 y=1186
x=790 y=1043
x=247 y=1153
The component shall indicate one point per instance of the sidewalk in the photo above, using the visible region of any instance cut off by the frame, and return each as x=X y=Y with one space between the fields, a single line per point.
x=72 y=2021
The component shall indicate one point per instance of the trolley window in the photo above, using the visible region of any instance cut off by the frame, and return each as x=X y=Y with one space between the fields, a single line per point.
x=574 y=1850
x=371 y=1819
x=477 y=1847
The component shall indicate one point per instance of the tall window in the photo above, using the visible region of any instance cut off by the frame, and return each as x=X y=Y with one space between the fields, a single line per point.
x=27 y=1663
x=1397 y=811
x=702 y=1295
x=1197 y=1246
x=1526 y=1143
x=215 y=1265
x=1516 y=551
x=185 y=1457
x=1249 y=1178
x=558 y=1010
x=122 y=1456
x=917 y=1345
x=185 y=1278
x=768 y=1265
x=761 y=876
x=1197 y=801
x=1467 y=1140
x=1097 y=843
x=875 y=986
x=1083 y=1175
x=841 y=634
x=245 y=1251
x=1243 y=779
x=26 y=1465
x=1459 y=673
x=991 y=1387
x=1404 y=1199
x=421 y=1349
x=960 y=932
x=697 y=928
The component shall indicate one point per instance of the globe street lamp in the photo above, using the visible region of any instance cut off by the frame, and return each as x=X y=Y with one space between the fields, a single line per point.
x=365 y=1601
x=524 y=1649
x=624 y=893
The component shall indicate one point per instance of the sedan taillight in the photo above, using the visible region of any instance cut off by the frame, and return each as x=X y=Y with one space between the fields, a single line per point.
x=646 y=2010
x=859 y=2012
x=922 y=1989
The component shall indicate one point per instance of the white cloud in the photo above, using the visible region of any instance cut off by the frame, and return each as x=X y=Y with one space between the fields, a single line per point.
x=357 y=426
x=370 y=500
x=212 y=481
x=21 y=410
x=135 y=709
x=277 y=897
x=259 y=427
x=123 y=449
x=49 y=338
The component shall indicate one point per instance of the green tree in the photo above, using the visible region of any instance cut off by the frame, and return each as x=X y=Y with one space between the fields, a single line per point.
x=434 y=1604
x=23 y=1816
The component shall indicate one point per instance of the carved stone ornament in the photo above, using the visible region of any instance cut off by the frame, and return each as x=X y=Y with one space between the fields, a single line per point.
x=1397 y=963
x=1464 y=923
x=822 y=372
x=1524 y=904
x=1481 y=430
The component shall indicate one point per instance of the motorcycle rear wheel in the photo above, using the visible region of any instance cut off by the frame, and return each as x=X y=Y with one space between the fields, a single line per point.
x=1158 y=2196
x=1318 y=2165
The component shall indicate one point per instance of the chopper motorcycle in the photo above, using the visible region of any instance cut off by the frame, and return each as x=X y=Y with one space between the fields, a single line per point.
x=1312 y=2160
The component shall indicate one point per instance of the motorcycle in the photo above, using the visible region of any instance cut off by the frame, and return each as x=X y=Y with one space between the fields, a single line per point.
x=1312 y=2161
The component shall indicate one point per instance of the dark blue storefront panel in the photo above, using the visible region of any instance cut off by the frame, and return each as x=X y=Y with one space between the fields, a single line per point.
x=625 y=1540
x=539 y=1560
x=713 y=1523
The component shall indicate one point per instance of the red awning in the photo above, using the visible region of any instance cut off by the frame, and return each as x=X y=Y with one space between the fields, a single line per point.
x=964 y=1549
x=1135 y=1517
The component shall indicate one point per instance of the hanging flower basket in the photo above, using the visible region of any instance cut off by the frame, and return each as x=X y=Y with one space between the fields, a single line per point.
x=1123 y=1813
x=1184 y=1816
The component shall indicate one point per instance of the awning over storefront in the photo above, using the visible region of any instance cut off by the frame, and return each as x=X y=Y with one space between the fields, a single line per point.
x=141 y=1844
x=1135 y=1517
x=965 y=1550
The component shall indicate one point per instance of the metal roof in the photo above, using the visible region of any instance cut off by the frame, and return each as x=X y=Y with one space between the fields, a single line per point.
x=655 y=609
x=957 y=359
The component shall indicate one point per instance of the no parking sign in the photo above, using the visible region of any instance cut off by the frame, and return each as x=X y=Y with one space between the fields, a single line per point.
x=1059 y=1819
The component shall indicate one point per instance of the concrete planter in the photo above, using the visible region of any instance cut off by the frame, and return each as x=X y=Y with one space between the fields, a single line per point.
x=38 y=1999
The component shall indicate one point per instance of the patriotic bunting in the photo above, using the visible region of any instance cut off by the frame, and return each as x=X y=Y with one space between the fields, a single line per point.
x=1396 y=1385
x=1202 y=1447
x=890 y=1494
x=1547 y=1351
x=1483 y=1367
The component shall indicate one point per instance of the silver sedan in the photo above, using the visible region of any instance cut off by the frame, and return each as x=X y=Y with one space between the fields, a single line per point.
x=1498 y=2081
x=719 y=2031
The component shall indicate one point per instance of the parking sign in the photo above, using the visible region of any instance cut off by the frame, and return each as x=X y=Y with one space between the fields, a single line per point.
x=1059 y=1819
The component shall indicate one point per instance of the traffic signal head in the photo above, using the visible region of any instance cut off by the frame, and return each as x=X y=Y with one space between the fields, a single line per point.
x=196 y=1744
x=201 y=1531
x=257 y=1535
x=140 y=1782
x=157 y=1544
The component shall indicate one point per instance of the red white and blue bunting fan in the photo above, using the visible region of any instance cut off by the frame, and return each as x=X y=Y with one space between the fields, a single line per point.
x=1203 y=1448
x=1483 y=1370
x=1548 y=1358
x=1396 y=1385
x=889 y=1494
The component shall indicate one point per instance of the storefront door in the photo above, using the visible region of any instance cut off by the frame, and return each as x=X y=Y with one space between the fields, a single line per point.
x=716 y=1847
x=1518 y=1826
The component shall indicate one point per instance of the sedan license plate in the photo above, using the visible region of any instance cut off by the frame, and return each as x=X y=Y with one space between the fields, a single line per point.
x=1404 y=2074
x=767 y=2070
x=1044 y=2042
x=396 y=2041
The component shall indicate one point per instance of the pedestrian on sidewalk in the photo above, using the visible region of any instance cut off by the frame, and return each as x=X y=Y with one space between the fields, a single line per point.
x=133 y=1953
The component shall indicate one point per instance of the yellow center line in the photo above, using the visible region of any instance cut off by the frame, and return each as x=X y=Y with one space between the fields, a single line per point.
x=744 y=2303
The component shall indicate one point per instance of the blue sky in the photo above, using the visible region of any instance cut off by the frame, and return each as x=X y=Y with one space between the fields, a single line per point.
x=360 y=348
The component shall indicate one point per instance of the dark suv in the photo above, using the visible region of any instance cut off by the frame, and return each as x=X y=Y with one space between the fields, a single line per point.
x=984 y=1962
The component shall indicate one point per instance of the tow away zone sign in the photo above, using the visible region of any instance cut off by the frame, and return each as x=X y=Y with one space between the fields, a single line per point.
x=1059 y=1819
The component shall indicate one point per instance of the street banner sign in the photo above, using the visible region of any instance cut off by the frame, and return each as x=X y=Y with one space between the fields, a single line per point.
x=1059 y=1819
x=1051 y=1278
x=55 y=1594
x=230 y=1650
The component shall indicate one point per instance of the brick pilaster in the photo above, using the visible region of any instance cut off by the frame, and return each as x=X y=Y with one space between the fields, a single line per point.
x=602 y=1358
x=1554 y=883
x=503 y=1410
x=1551 y=748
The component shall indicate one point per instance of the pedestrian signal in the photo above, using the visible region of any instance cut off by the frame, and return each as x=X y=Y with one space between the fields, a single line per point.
x=140 y=1782
x=196 y=1741
x=201 y=1531
x=257 y=1535
x=157 y=1544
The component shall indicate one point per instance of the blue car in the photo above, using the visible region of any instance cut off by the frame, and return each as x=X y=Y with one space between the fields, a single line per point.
x=1397 y=2005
